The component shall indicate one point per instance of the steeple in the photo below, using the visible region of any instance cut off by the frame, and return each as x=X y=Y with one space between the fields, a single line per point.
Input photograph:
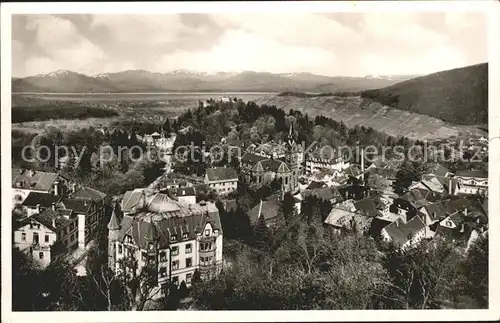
x=114 y=224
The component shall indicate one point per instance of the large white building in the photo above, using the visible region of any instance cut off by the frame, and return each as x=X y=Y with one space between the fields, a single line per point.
x=471 y=182
x=176 y=238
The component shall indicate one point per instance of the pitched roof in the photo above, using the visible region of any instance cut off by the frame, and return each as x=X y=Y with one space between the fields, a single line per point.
x=187 y=220
x=251 y=159
x=44 y=199
x=340 y=217
x=377 y=225
x=478 y=173
x=33 y=180
x=88 y=193
x=353 y=171
x=77 y=205
x=272 y=165
x=367 y=207
x=268 y=208
x=221 y=174
x=401 y=232
x=185 y=191
x=436 y=211
x=48 y=215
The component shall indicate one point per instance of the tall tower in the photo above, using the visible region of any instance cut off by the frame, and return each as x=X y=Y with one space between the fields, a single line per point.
x=292 y=159
x=151 y=237
x=114 y=227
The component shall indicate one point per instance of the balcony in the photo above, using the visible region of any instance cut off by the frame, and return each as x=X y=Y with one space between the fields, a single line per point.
x=207 y=253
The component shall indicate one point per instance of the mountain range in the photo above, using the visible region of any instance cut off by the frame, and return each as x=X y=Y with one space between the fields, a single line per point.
x=64 y=81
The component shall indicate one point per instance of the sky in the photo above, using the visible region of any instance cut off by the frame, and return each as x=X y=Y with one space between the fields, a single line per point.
x=333 y=44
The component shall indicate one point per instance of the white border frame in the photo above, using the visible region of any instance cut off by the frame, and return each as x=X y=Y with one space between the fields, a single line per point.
x=489 y=7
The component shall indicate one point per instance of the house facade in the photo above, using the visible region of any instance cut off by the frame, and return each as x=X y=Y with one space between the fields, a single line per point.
x=37 y=234
x=25 y=181
x=471 y=182
x=222 y=180
x=174 y=238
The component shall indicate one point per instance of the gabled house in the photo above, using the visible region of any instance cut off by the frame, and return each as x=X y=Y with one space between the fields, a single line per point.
x=37 y=234
x=176 y=239
x=89 y=206
x=222 y=180
x=269 y=209
x=404 y=234
x=25 y=181
x=36 y=202
x=472 y=182
x=186 y=195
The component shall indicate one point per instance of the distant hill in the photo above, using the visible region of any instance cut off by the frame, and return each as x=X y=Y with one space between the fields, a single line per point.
x=64 y=81
x=458 y=96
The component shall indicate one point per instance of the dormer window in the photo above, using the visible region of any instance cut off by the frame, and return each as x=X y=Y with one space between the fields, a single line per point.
x=185 y=235
x=207 y=232
x=173 y=238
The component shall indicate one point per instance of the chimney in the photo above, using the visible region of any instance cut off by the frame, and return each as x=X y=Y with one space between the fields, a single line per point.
x=53 y=206
x=465 y=211
x=450 y=189
x=32 y=173
x=56 y=188
x=38 y=208
x=54 y=222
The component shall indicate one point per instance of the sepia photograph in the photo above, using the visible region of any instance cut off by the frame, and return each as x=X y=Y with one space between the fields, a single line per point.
x=245 y=156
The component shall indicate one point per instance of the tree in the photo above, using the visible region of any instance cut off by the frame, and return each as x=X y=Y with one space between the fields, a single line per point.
x=262 y=235
x=288 y=207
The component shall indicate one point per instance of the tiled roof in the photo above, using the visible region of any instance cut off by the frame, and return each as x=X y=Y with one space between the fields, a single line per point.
x=221 y=174
x=251 y=159
x=48 y=215
x=89 y=193
x=436 y=211
x=272 y=165
x=401 y=232
x=44 y=199
x=367 y=207
x=190 y=220
x=33 y=180
x=269 y=209
x=377 y=225
x=342 y=218
x=185 y=191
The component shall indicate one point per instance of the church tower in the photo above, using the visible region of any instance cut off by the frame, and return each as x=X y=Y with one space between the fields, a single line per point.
x=292 y=159
x=114 y=227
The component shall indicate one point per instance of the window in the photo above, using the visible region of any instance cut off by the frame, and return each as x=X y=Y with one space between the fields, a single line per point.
x=23 y=236
x=120 y=249
x=163 y=271
x=175 y=264
x=163 y=256
x=189 y=262
x=144 y=256
x=72 y=238
x=175 y=251
x=173 y=238
x=164 y=289
x=207 y=232
x=188 y=248
x=46 y=238
x=71 y=226
x=188 y=278
x=35 y=238
x=175 y=280
x=184 y=235
x=40 y=254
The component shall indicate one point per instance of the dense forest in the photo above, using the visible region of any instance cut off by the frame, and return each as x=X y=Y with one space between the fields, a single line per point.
x=49 y=112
